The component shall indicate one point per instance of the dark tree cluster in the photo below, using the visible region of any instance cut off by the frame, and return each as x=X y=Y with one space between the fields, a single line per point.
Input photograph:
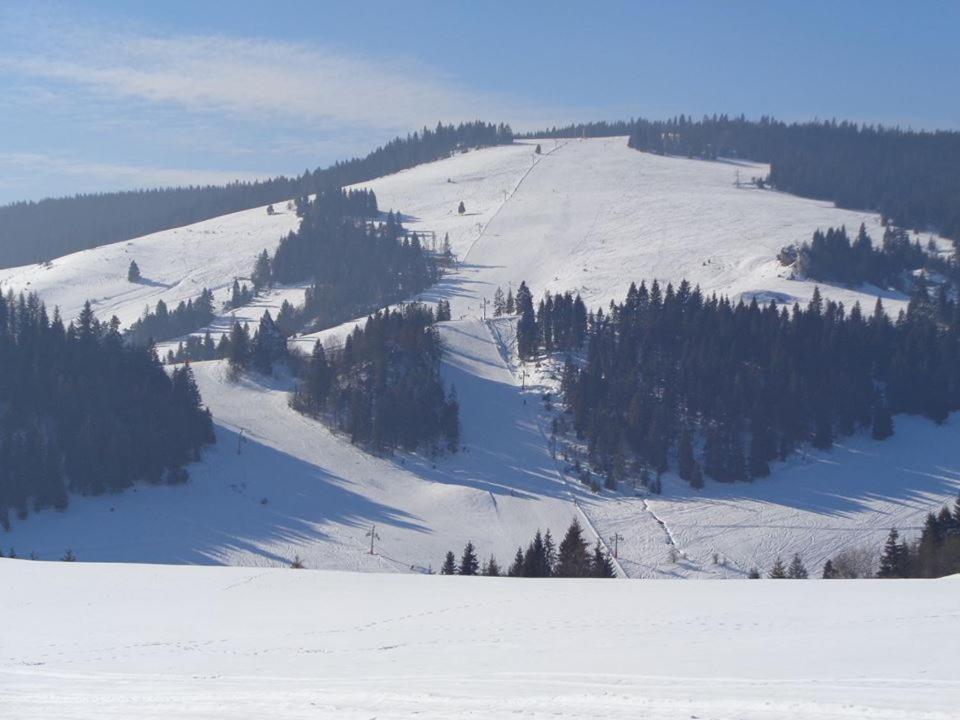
x=722 y=389
x=260 y=351
x=196 y=348
x=935 y=554
x=36 y=231
x=558 y=324
x=240 y=294
x=602 y=128
x=82 y=411
x=542 y=559
x=162 y=323
x=832 y=257
x=911 y=178
x=383 y=387
x=795 y=571
x=355 y=265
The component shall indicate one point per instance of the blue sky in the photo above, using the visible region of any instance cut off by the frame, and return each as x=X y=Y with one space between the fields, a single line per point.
x=107 y=95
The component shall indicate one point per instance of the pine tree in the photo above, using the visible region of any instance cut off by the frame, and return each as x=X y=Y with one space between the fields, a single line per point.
x=893 y=562
x=882 y=426
x=449 y=564
x=754 y=574
x=797 y=571
x=468 y=561
x=696 y=481
x=527 y=336
x=516 y=569
x=829 y=573
x=297 y=563
x=491 y=568
x=133 y=272
x=236 y=299
x=269 y=345
x=68 y=556
x=778 y=572
x=499 y=302
x=601 y=565
x=261 y=271
x=572 y=558
x=239 y=346
x=461 y=208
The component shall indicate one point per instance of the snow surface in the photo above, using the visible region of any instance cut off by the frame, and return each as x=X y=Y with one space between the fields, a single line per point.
x=175 y=265
x=84 y=640
x=588 y=215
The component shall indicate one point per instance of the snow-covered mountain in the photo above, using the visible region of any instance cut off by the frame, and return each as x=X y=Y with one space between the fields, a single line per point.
x=84 y=640
x=585 y=215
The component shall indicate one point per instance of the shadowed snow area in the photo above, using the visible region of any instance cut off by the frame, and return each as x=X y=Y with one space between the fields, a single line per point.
x=244 y=644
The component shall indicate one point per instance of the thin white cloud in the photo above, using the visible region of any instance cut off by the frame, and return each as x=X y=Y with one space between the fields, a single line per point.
x=256 y=79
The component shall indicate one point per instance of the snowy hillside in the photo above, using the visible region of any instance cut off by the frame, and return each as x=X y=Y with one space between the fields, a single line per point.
x=233 y=643
x=585 y=215
x=175 y=264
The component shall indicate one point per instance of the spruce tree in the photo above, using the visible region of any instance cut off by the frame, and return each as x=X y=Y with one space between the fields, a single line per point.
x=797 y=571
x=449 y=564
x=601 y=565
x=261 y=271
x=468 y=561
x=882 y=425
x=572 y=557
x=133 y=272
x=829 y=572
x=516 y=569
x=527 y=336
x=893 y=562
x=491 y=568
x=239 y=346
x=499 y=302
x=778 y=571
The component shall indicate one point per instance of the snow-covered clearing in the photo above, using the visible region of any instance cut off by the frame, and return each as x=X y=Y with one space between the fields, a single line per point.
x=585 y=215
x=135 y=641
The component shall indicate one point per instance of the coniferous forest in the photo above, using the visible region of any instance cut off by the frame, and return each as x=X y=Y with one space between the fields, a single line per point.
x=383 y=387
x=163 y=323
x=911 y=178
x=83 y=412
x=671 y=378
x=832 y=257
x=355 y=265
x=37 y=231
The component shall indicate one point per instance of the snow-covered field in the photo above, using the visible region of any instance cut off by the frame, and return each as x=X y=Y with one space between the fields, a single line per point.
x=85 y=641
x=585 y=215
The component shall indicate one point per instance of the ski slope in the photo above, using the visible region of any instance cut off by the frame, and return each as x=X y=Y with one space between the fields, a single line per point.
x=593 y=216
x=586 y=215
x=149 y=642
